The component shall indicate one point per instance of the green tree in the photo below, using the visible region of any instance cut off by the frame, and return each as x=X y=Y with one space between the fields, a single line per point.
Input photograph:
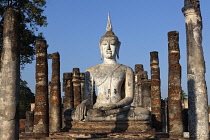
x=31 y=12
x=32 y=15
x=26 y=97
x=184 y=95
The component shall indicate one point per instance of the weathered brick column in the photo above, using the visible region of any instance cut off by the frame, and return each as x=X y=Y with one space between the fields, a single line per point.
x=197 y=91
x=41 y=113
x=174 y=87
x=49 y=92
x=137 y=101
x=55 y=96
x=29 y=122
x=76 y=87
x=142 y=93
x=155 y=90
x=68 y=100
x=146 y=92
x=10 y=77
x=82 y=84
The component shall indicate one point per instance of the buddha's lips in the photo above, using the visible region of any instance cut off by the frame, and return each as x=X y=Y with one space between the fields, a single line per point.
x=109 y=52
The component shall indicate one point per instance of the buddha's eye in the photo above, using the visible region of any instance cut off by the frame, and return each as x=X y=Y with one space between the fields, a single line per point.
x=112 y=43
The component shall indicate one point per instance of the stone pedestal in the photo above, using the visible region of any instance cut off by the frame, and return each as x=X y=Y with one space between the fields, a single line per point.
x=109 y=129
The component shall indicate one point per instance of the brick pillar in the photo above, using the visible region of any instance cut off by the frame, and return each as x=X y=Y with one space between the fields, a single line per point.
x=10 y=77
x=41 y=114
x=29 y=121
x=174 y=87
x=137 y=101
x=155 y=90
x=55 y=96
x=146 y=93
x=68 y=100
x=49 y=94
x=82 y=80
x=76 y=87
x=142 y=85
x=197 y=90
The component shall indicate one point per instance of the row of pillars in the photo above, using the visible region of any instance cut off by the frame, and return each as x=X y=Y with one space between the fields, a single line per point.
x=175 y=125
x=147 y=92
x=51 y=109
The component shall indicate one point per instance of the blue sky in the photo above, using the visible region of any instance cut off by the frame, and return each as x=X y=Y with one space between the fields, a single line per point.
x=75 y=28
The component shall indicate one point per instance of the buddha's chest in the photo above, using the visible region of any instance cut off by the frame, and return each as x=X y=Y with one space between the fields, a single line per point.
x=109 y=76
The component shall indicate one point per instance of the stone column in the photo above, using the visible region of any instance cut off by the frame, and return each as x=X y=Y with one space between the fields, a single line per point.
x=10 y=77
x=41 y=116
x=174 y=87
x=55 y=96
x=197 y=91
x=76 y=87
x=155 y=90
x=29 y=121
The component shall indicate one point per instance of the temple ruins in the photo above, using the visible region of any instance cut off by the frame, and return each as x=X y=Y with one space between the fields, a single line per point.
x=109 y=100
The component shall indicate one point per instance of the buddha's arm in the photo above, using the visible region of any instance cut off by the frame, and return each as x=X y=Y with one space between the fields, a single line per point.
x=129 y=87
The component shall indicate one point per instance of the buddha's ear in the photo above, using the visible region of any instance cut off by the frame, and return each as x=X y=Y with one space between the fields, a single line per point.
x=101 y=51
x=118 y=49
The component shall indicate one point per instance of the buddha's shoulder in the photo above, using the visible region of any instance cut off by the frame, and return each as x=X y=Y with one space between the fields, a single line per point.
x=93 y=68
x=127 y=68
x=100 y=66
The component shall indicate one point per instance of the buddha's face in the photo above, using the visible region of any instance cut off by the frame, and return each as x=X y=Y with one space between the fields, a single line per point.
x=109 y=47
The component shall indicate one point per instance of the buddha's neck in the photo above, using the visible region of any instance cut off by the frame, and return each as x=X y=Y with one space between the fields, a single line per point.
x=109 y=61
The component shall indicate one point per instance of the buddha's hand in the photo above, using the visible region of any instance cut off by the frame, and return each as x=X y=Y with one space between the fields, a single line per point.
x=108 y=107
x=80 y=112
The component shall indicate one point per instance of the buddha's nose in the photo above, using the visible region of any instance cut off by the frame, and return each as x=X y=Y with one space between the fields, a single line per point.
x=109 y=48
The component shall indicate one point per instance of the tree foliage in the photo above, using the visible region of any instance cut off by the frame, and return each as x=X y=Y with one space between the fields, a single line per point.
x=31 y=12
x=184 y=95
x=26 y=97
x=32 y=15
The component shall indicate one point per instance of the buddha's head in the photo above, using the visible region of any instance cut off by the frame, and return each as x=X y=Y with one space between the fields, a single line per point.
x=109 y=43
